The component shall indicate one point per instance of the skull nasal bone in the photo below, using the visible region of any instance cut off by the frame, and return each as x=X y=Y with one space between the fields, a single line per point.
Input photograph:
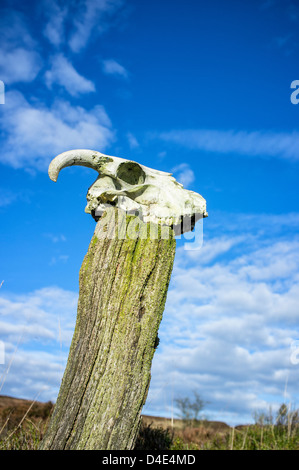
x=131 y=173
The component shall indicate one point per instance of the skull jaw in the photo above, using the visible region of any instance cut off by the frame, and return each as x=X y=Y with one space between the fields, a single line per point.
x=153 y=198
x=179 y=224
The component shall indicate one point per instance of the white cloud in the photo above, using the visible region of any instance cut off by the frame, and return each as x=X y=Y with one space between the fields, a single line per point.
x=39 y=306
x=84 y=20
x=259 y=221
x=278 y=261
x=229 y=324
x=54 y=29
x=233 y=284
x=226 y=330
x=33 y=375
x=112 y=67
x=185 y=174
x=214 y=247
x=63 y=73
x=92 y=16
x=20 y=60
x=34 y=133
x=260 y=143
x=36 y=329
x=19 y=65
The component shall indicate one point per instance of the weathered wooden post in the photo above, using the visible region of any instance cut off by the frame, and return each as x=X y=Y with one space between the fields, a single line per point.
x=123 y=285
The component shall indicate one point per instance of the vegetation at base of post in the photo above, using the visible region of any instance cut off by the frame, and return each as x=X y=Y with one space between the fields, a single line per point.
x=279 y=432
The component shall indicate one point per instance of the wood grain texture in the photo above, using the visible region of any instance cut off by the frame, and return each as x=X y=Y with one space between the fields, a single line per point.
x=122 y=292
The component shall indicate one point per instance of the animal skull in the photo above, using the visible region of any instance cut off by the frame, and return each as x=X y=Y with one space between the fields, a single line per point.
x=155 y=195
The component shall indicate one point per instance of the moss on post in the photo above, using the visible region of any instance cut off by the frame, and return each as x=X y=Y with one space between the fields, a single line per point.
x=123 y=285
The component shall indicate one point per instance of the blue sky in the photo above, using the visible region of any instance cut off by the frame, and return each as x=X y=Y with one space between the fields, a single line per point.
x=202 y=89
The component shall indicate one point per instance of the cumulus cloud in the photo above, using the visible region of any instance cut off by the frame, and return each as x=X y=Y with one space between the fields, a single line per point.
x=213 y=248
x=34 y=133
x=36 y=337
x=230 y=319
x=259 y=143
x=63 y=73
x=226 y=331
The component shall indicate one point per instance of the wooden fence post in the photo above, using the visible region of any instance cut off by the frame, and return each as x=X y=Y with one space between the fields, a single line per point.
x=123 y=285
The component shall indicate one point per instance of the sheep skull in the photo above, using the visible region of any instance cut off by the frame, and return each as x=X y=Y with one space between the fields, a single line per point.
x=154 y=195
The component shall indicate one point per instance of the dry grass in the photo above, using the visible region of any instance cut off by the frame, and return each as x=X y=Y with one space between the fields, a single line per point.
x=190 y=437
x=23 y=423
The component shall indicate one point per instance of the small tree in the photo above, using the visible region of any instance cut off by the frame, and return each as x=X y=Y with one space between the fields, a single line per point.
x=189 y=410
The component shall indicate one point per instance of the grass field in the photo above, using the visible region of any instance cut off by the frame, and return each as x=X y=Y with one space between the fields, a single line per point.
x=23 y=423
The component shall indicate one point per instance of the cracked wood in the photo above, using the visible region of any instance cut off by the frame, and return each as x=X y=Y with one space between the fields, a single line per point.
x=122 y=292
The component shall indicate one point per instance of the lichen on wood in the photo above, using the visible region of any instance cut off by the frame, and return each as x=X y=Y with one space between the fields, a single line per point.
x=123 y=286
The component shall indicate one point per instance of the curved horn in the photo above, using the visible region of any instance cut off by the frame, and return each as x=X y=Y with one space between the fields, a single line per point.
x=83 y=157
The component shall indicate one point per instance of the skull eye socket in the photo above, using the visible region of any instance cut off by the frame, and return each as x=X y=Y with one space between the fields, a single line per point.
x=131 y=173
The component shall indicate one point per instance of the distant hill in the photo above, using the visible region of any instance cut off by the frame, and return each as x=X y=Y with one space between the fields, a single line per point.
x=17 y=411
x=14 y=410
x=164 y=423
